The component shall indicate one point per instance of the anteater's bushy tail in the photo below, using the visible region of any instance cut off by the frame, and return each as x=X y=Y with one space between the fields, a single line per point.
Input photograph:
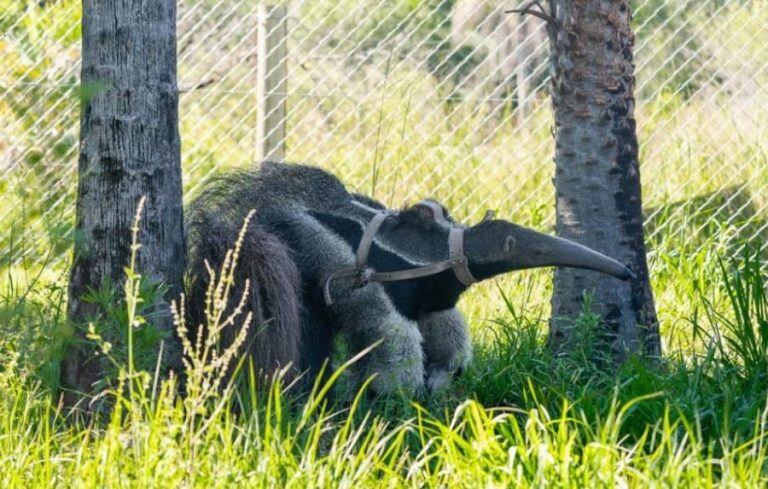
x=213 y=222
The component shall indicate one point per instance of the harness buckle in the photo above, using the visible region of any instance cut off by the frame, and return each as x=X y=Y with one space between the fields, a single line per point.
x=363 y=277
x=360 y=277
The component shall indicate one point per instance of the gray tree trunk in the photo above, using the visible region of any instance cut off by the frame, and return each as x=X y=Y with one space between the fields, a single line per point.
x=597 y=176
x=129 y=148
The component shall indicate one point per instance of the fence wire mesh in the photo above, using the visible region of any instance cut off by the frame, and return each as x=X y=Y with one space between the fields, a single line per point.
x=405 y=99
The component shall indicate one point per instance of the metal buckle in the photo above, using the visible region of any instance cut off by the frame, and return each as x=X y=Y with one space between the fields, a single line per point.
x=362 y=277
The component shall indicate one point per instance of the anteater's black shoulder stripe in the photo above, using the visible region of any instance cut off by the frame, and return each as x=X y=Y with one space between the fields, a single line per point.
x=351 y=231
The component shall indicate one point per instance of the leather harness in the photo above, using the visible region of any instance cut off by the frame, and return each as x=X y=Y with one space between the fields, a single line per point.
x=363 y=274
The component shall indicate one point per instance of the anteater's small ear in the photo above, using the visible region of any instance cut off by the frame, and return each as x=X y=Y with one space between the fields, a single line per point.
x=432 y=210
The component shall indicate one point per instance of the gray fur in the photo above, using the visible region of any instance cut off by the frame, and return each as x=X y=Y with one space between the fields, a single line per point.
x=307 y=226
x=281 y=196
x=365 y=315
x=447 y=348
x=214 y=220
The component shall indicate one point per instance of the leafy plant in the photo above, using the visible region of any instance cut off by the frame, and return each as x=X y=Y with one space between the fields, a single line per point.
x=740 y=336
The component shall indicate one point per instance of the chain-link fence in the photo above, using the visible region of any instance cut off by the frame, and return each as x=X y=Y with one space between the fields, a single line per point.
x=405 y=99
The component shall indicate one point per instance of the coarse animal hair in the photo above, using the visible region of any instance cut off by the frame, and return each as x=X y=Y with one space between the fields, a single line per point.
x=306 y=227
x=213 y=222
x=289 y=325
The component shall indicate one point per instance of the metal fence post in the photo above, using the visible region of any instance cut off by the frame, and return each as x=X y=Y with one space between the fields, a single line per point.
x=271 y=88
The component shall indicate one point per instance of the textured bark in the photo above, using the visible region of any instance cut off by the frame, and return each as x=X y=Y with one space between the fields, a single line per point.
x=129 y=148
x=597 y=176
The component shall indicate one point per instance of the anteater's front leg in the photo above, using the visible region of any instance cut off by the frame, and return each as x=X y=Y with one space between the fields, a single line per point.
x=447 y=348
x=365 y=315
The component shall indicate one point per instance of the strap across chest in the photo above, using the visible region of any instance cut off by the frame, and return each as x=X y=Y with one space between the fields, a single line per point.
x=363 y=274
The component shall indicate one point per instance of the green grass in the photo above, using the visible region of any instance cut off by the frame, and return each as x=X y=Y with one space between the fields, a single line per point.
x=518 y=416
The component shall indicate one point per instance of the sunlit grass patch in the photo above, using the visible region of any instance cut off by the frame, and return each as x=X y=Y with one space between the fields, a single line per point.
x=556 y=421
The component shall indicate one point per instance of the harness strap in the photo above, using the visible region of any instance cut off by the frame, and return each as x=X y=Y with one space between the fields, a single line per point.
x=364 y=248
x=457 y=258
x=362 y=274
x=360 y=271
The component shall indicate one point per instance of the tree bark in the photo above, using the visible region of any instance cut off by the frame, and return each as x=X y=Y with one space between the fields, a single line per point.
x=597 y=179
x=129 y=148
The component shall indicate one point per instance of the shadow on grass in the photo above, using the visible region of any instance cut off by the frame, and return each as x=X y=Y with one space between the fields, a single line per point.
x=728 y=216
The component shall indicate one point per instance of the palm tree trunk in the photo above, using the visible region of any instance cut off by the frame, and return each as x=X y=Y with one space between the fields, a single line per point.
x=597 y=175
x=129 y=148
